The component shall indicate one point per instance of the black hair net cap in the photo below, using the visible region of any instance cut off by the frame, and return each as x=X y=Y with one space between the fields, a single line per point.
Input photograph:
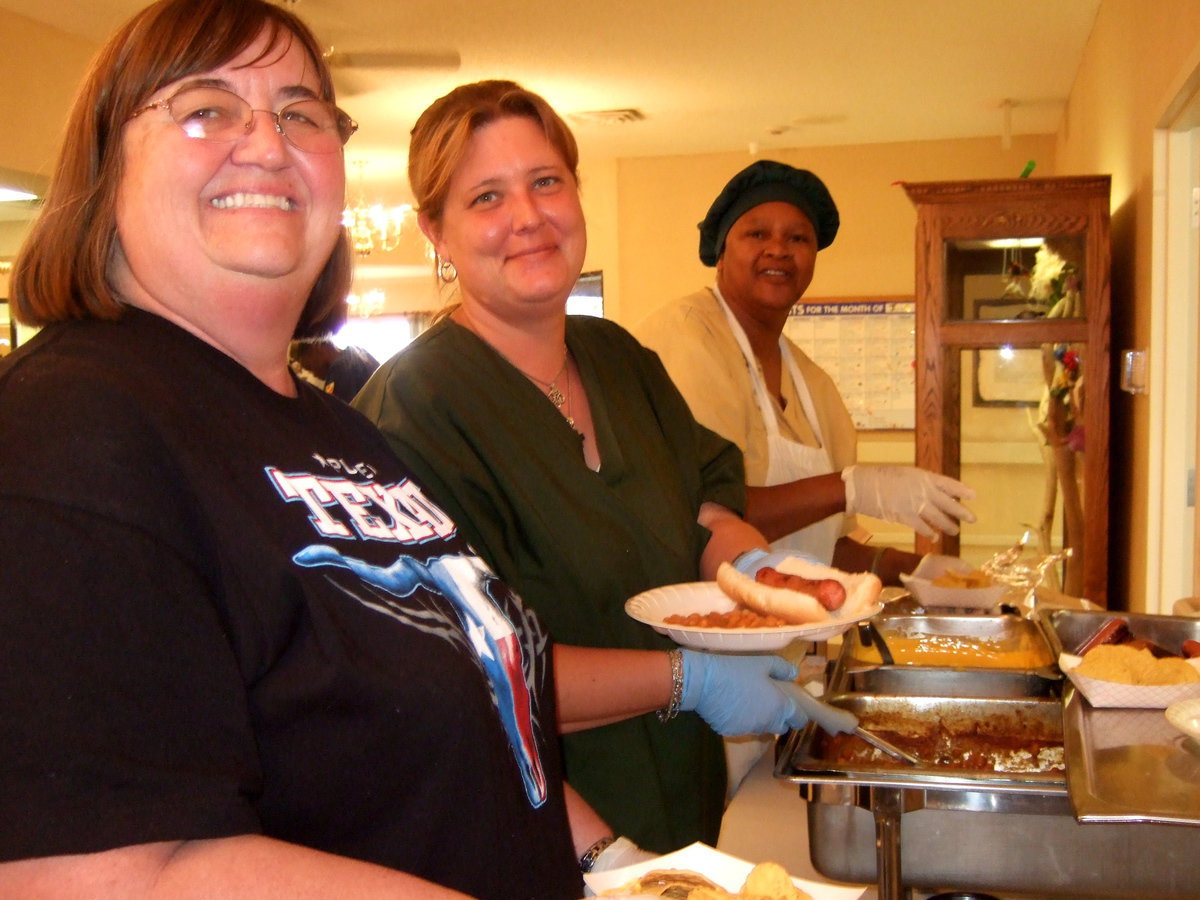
x=765 y=181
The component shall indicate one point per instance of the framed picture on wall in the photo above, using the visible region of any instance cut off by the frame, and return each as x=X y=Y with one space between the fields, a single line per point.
x=587 y=297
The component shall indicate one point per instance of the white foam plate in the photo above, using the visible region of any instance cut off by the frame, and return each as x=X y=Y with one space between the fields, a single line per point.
x=654 y=606
x=727 y=871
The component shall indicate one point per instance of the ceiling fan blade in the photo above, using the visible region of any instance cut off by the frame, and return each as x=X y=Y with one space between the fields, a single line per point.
x=351 y=83
x=448 y=60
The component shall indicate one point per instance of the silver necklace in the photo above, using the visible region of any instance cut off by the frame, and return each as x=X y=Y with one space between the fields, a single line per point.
x=550 y=388
x=553 y=393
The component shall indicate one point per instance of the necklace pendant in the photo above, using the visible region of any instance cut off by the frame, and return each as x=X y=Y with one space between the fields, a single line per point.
x=555 y=396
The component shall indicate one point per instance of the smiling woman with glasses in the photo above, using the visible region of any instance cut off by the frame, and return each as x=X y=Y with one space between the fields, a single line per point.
x=245 y=654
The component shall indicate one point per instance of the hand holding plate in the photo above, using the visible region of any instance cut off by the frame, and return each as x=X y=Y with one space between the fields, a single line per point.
x=738 y=694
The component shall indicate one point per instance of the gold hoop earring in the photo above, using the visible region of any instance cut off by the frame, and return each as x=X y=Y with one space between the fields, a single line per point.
x=446 y=271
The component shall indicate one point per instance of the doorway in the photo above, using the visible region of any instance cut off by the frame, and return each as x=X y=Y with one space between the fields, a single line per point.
x=1173 y=565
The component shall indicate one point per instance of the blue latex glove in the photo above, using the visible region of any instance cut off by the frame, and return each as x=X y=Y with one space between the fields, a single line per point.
x=749 y=694
x=751 y=561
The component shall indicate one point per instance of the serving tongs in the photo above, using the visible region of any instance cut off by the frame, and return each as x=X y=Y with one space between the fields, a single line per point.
x=868 y=635
x=835 y=720
x=887 y=747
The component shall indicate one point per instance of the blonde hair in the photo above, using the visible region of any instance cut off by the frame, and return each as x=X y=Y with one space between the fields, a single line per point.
x=440 y=137
x=61 y=272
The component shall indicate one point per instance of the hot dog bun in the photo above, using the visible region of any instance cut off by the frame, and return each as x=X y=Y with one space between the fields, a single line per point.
x=862 y=590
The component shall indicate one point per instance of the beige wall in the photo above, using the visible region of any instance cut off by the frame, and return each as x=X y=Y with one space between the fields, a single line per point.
x=662 y=199
x=1137 y=60
x=598 y=186
x=40 y=69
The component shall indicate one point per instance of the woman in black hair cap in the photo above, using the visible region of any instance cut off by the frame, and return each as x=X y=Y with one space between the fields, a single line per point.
x=725 y=349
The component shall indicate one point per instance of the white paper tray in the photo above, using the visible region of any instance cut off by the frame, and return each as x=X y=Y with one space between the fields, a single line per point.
x=727 y=871
x=1110 y=694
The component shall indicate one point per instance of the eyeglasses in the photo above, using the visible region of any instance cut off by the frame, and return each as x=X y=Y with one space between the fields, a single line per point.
x=215 y=114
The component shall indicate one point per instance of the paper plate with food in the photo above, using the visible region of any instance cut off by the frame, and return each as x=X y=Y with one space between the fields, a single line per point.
x=947 y=581
x=698 y=872
x=795 y=599
x=1131 y=677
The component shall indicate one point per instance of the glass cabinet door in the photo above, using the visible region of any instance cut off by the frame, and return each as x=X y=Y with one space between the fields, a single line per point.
x=1012 y=355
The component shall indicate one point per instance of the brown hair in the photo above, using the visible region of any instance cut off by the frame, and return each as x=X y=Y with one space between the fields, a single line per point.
x=61 y=272
x=440 y=137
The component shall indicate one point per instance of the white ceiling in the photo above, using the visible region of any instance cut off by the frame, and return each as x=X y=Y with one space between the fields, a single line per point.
x=709 y=75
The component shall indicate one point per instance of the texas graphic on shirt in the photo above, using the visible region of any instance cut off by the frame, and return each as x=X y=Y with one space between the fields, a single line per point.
x=340 y=507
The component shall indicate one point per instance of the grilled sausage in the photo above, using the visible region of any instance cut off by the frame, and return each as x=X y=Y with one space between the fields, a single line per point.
x=829 y=593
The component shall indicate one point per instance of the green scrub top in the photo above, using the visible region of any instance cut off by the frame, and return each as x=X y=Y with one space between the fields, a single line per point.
x=574 y=543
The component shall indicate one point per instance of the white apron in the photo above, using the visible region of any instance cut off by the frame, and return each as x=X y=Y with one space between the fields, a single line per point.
x=789 y=460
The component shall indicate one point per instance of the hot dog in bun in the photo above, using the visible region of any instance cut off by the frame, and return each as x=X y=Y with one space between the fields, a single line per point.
x=815 y=593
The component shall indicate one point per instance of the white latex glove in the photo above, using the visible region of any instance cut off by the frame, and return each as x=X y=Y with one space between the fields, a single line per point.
x=922 y=500
x=621 y=852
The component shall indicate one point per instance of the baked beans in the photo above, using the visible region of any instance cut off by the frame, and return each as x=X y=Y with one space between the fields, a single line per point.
x=739 y=617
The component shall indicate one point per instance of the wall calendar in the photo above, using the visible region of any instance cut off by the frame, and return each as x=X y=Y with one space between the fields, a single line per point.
x=868 y=347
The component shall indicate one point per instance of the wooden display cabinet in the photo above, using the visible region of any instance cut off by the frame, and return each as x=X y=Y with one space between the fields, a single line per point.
x=1013 y=366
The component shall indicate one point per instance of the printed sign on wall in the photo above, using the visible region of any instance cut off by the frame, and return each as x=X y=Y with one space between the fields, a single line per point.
x=868 y=348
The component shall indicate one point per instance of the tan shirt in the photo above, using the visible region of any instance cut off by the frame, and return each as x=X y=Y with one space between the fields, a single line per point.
x=692 y=337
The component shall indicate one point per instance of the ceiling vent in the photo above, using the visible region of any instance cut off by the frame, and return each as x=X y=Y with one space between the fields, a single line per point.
x=609 y=116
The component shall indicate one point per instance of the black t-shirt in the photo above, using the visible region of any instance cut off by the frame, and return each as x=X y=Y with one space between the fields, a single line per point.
x=224 y=611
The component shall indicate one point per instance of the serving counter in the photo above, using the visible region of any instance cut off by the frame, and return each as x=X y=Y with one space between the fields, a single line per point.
x=1112 y=812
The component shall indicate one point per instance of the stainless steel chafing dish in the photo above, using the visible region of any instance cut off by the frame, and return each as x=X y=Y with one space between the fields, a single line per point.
x=1013 y=658
x=992 y=642
x=1127 y=765
x=939 y=730
x=1010 y=832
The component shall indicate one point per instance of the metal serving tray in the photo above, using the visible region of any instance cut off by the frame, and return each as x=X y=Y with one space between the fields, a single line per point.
x=1067 y=629
x=999 y=833
x=836 y=791
x=1127 y=765
x=805 y=758
x=854 y=674
x=908 y=681
x=994 y=642
x=1130 y=765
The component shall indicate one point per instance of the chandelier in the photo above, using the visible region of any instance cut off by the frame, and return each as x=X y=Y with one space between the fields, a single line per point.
x=375 y=226
x=370 y=303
